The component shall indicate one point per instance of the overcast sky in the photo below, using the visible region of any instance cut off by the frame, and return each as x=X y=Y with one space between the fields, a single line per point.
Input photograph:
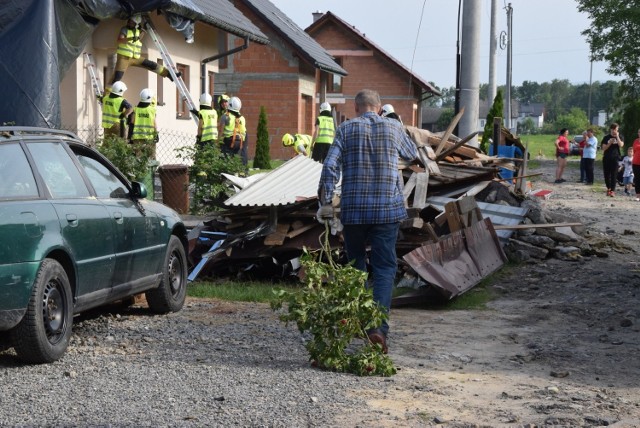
x=547 y=43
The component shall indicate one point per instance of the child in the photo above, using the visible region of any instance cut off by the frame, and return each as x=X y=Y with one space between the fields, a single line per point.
x=627 y=175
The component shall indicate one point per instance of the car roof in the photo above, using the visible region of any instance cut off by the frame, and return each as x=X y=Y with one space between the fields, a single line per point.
x=13 y=133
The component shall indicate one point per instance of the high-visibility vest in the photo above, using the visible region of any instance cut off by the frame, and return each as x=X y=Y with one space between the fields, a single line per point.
x=235 y=127
x=129 y=48
x=111 y=110
x=144 y=123
x=305 y=141
x=326 y=130
x=209 y=125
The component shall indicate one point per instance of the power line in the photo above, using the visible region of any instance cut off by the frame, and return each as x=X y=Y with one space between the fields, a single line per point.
x=415 y=47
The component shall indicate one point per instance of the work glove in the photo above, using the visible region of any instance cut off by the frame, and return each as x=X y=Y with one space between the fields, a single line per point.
x=194 y=112
x=325 y=213
x=198 y=139
x=156 y=138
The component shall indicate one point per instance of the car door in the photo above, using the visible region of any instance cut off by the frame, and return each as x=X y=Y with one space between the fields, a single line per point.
x=85 y=224
x=137 y=237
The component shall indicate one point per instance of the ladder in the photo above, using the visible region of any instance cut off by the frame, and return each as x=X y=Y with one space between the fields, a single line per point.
x=93 y=73
x=169 y=64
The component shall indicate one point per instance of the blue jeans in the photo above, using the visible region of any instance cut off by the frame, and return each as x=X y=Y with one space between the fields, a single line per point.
x=384 y=265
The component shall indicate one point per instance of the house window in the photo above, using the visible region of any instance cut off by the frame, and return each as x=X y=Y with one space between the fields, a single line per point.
x=334 y=82
x=210 y=83
x=159 y=87
x=223 y=43
x=182 y=109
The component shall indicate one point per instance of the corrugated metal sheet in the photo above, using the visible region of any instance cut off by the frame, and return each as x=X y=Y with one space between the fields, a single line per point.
x=307 y=46
x=499 y=214
x=293 y=181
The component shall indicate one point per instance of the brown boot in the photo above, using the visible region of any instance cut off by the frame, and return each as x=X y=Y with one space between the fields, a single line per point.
x=378 y=338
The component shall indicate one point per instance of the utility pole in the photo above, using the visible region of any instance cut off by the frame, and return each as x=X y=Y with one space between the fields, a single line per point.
x=470 y=70
x=590 y=86
x=493 y=59
x=509 y=51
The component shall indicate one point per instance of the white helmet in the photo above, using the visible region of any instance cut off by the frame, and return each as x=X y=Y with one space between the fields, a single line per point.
x=386 y=110
x=137 y=18
x=118 y=88
x=205 y=100
x=325 y=106
x=235 y=104
x=146 y=96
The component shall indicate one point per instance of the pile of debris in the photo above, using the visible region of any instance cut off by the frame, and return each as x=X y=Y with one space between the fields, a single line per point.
x=461 y=216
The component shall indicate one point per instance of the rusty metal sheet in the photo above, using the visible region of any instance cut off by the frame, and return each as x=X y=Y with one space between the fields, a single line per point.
x=459 y=260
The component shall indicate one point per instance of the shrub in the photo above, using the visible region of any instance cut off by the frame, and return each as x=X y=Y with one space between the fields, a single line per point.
x=205 y=174
x=496 y=110
x=262 y=159
x=131 y=160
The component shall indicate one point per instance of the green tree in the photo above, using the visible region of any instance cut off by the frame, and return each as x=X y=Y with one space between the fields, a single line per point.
x=262 y=159
x=527 y=126
x=444 y=120
x=575 y=121
x=496 y=110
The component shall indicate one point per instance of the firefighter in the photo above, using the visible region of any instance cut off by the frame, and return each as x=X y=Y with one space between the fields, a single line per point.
x=301 y=143
x=207 y=122
x=234 y=134
x=144 y=123
x=388 y=111
x=115 y=111
x=129 y=50
x=323 y=133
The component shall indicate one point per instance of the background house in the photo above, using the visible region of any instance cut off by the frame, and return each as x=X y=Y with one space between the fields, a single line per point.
x=369 y=67
x=281 y=76
x=534 y=111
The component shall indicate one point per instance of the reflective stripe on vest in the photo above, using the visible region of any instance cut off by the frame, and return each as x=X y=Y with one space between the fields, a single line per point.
x=305 y=140
x=129 y=48
x=229 y=126
x=143 y=125
x=209 y=125
x=326 y=130
x=111 y=111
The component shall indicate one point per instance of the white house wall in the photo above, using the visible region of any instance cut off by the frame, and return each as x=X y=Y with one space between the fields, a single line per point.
x=80 y=110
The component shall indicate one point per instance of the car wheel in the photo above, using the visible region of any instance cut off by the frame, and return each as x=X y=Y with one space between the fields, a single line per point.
x=170 y=295
x=44 y=333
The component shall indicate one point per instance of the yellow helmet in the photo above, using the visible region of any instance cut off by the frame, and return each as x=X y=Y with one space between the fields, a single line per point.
x=288 y=140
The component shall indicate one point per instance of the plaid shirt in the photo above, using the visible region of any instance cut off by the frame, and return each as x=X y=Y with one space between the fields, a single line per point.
x=365 y=151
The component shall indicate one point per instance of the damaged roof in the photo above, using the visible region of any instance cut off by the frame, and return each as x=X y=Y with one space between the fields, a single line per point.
x=293 y=181
x=307 y=47
x=219 y=13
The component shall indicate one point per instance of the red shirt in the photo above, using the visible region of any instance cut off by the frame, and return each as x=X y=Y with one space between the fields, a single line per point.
x=636 y=152
x=563 y=144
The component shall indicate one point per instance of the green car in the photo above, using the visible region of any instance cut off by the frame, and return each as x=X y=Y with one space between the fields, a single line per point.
x=76 y=234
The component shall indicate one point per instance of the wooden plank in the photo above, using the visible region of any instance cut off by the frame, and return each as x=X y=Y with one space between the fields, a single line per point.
x=432 y=233
x=412 y=223
x=300 y=230
x=532 y=226
x=453 y=217
x=456 y=146
x=420 y=195
x=277 y=237
x=408 y=187
x=449 y=131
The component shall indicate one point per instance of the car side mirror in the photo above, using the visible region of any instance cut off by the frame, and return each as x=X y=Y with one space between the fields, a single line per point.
x=138 y=190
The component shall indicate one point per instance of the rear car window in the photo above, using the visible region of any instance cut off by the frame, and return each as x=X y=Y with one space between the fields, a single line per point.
x=16 y=178
x=58 y=171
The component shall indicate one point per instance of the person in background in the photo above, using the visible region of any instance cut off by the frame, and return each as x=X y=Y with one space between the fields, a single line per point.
x=581 y=146
x=627 y=174
x=589 y=156
x=364 y=155
x=207 y=122
x=387 y=110
x=129 y=49
x=115 y=111
x=635 y=164
x=301 y=143
x=234 y=134
x=144 y=122
x=323 y=134
x=562 y=152
x=611 y=144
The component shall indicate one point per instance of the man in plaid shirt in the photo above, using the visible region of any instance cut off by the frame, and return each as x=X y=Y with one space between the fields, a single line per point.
x=365 y=153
